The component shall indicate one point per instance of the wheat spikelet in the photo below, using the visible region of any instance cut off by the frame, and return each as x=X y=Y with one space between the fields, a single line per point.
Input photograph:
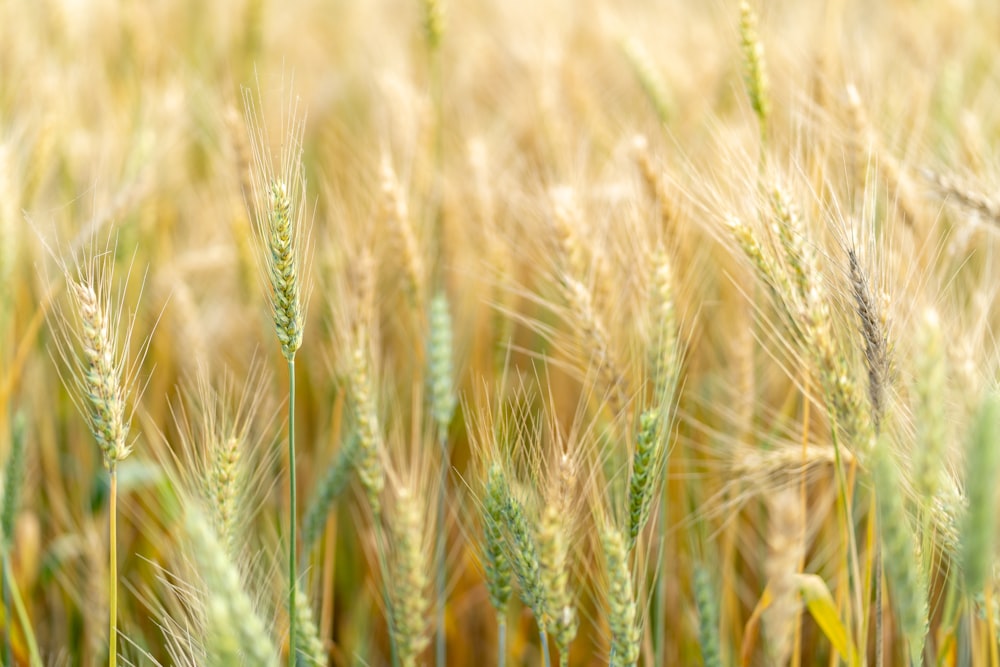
x=979 y=525
x=785 y=550
x=622 y=612
x=223 y=488
x=646 y=463
x=310 y=646
x=99 y=375
x=876 y=342
x=755 y=71
x=654 y=184
x=573 y=258
x=783 y=465
x=770 y=271
x=791 y=233
x=560 y=616
x=708 y=617
x=665 y=347
x=952 y=189
x=931 y=375
x=592 y=332
x=650 y=80
x=335 y=480
x=279 y=220
x=902 y=568
x=433 y=17
x=13 y=481
x=233 y=620
x=523 y=555
x=409 y=578
x=497 y=565
x=865 y=143
x=839 y=388
x=397 y=215
x=370 y=438
x=439 y=359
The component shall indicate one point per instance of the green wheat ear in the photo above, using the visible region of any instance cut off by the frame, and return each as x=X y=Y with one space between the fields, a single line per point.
x=648 y=451
x=708 y=617
x=440 y=365
x=906 y=579
x=497 y=566
x=310 y=646
x=755 y=70
x=335 y=480
x=236 y=630
x=982 y=464
x=622 y=612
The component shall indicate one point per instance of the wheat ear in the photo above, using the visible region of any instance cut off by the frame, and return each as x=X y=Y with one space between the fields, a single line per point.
x=622 y=611
x=496 y=563
x=708 y=617
x=337 y=475
x=979 y=527
x=906 y=579
x=237 y=631
x=645 y=465
x=409 y=578
x=755 y=72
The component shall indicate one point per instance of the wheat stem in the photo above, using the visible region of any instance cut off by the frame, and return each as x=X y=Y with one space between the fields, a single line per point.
x=544 y=640
x=292 y=580
x=113 y=571
x=660 y=637
x=440 y=639
x=22 y=614
x=501 y=640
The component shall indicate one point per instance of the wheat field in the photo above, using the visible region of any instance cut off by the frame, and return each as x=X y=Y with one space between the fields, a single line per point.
x=442 y=332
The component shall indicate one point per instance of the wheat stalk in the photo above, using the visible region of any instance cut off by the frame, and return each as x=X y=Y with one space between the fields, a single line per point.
x=103 y=381
x=280 y=223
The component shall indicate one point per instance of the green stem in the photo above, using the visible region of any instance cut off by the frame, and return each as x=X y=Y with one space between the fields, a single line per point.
x=441 y=539
x=292 y=533
x=844 y=503
x=660 y=634
x=384 y=567
x=544 y=639
x=22 y=614
x=113 y=573
x=501 y=640
x=8 y=658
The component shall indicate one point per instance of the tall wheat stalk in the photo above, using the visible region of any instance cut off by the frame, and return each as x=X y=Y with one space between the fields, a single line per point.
x=279 y=221
x=101 y=380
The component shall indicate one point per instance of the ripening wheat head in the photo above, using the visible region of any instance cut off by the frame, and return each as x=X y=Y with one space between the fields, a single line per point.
x=93 y=342
x=221 y=455
x=280 y=220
